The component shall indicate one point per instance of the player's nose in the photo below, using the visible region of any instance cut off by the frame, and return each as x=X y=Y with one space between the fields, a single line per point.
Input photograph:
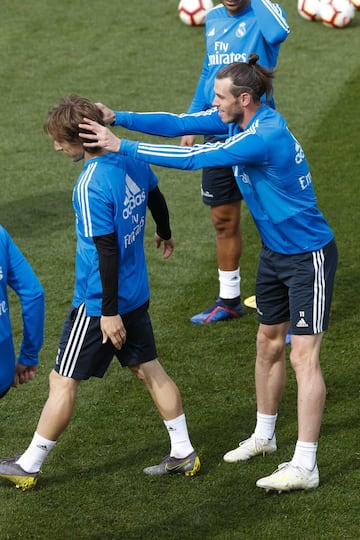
x=57 y=146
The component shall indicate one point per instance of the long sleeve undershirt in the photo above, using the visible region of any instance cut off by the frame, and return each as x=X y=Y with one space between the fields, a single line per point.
x=160 y=213
x=107 y=249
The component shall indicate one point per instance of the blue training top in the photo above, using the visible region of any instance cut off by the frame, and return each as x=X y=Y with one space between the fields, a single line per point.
x=268 y=162
x=111 y=196
x=16 y=273
x=259 y=28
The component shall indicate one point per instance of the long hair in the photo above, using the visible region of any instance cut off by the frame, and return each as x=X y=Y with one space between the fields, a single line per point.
x=62 y=123
x=248 y=77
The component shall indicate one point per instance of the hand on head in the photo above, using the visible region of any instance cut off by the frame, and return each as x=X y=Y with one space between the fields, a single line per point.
x=100 y=135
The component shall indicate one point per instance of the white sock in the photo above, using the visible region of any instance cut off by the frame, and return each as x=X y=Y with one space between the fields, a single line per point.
x=265 y=425
x=305 y=454
x=229 y=283
x=179 y=437
x=33 y=457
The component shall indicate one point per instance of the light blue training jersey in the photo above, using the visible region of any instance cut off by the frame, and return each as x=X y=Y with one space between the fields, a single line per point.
x=16 y=273
x=268 y=163
x=259 y=28
x=110 y=196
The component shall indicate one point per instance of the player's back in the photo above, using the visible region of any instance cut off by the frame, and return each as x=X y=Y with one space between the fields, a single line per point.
x=111 y=196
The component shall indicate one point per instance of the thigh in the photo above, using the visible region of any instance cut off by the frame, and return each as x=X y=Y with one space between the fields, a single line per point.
x=139 y=346
x=272 y=300
x=296 y=288
x=81 y=353
x=310 y=290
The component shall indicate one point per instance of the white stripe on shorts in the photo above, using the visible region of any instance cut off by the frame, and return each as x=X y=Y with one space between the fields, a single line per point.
x=319 y=291
x=74 y=344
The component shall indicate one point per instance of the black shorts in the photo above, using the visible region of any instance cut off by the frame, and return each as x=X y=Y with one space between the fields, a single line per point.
x=82 y=354
x=218 y=184
x=296 y=288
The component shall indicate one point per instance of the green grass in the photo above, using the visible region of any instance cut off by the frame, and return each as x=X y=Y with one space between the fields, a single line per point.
x=92 y=486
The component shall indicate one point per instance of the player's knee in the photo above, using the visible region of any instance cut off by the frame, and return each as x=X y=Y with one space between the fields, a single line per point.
x=144 y=371
x=60 y=384
x=305 y=352
x=226 y=228
x=225 y=223
x=270 y=345
x=138 y=372
x=302 y=360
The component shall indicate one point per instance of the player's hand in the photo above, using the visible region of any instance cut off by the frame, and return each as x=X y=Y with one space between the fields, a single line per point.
x=101 y=136
x=187 y=140
x=113 y=328
x=24 y=374
x=168 y=245
x=108 y=114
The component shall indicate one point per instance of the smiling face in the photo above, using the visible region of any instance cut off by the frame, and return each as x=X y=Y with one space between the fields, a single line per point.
x=230 y=107
x=234 y=7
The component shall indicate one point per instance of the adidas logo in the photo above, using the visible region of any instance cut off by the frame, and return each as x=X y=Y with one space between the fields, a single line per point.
x=42 y=446
x=134 y=196
x=212 y=32
x=302 y=324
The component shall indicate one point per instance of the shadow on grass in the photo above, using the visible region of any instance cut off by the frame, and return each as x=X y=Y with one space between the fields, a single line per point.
x=37 y=215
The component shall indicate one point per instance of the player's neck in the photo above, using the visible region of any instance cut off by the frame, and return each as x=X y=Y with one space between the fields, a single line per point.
x=249 y=113
x=88 y=156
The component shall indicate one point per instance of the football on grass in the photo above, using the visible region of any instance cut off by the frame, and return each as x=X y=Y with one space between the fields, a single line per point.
x=192 y=12
x=309 y=9
x=337 y=13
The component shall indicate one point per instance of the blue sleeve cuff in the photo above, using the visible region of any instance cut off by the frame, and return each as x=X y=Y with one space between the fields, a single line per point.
x=121 y=119
x=129 y=148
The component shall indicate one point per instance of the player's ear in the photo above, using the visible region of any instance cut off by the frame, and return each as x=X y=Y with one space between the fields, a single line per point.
x=245 y=99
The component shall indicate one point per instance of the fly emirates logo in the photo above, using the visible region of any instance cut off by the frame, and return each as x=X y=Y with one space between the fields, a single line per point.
x=222 y=55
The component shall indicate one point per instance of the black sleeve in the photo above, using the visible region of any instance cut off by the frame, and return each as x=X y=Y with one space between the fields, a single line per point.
x=107 y=249
x=160 y=213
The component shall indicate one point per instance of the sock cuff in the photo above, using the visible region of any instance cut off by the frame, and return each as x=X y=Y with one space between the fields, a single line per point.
x=229 y=275
x=40 y=440
x=262 y=416
x=302 y=444
x=174 y=422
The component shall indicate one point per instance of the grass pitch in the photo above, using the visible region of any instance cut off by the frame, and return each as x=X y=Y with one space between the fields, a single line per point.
x=140 y=57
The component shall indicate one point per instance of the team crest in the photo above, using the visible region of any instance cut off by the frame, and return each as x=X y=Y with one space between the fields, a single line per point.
x=241 y=30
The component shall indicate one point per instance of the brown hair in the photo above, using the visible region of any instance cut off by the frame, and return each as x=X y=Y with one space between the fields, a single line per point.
x=248 y=77
x=62 y=123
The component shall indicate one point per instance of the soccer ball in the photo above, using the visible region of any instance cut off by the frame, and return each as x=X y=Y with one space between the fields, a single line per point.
x=192 y=12
x=337 y=13
x=309 y=9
